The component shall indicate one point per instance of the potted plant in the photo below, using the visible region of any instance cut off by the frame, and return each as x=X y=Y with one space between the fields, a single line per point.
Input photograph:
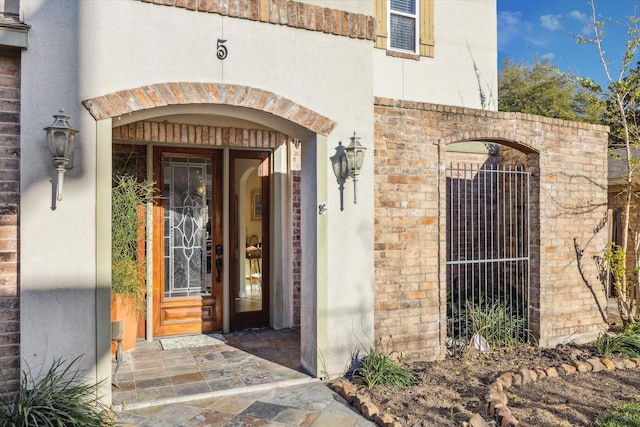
x=129 y=199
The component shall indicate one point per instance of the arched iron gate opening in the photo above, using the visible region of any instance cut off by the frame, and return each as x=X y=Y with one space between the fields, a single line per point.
x=488 y=256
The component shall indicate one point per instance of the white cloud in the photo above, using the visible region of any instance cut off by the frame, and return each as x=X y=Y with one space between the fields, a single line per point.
x=549 y=56
x=583 y=19
x=551 y=22
x=578 y=16
x=509 y=27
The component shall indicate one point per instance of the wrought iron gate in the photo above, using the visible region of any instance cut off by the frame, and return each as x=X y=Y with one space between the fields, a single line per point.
x=488 y=270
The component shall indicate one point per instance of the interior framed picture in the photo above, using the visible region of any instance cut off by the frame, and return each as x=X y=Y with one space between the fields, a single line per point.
x=256 y=205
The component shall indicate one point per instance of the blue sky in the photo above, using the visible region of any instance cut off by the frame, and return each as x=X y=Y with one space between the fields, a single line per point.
x=539 y=28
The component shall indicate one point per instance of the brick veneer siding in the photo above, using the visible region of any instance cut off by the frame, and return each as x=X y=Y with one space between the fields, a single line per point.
x=284 y=12
x=568 y=161
x=9 y=208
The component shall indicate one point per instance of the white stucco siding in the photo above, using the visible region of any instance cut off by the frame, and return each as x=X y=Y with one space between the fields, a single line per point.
x=131 y=46
x=465 y=31
x=57 y=247
x=100 y=47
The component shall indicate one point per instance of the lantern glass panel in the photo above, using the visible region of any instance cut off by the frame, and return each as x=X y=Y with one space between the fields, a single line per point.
x=60 y=143
x=351 y=160
x=71 y=146
x=359 y=158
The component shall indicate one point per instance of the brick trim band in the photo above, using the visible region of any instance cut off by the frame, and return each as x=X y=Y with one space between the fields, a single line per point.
x=161 y=132
x=185 y=93
x=425 y=106
x=284 y=12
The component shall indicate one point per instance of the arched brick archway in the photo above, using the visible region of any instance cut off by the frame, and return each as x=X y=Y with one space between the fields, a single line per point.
x=567 y=162
x=267 y=108
x=492 y=226
x=185 y=93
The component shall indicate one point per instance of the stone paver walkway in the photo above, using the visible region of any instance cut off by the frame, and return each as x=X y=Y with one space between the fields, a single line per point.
x=311 y=404
x=253 y=380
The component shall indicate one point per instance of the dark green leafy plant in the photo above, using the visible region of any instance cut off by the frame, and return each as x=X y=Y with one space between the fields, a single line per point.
x=624 y=415
x=60 y=398
x=380 y=369
x=626 y=343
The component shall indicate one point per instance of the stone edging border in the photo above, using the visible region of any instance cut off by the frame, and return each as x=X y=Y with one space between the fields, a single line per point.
x=496 y=398
x=362 y=403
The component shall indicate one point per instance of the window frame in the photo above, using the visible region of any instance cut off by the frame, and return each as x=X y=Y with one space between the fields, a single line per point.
x=424 y=28
x=416 y=18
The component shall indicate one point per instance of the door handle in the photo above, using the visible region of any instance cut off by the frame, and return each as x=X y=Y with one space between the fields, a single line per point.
x=218 y=269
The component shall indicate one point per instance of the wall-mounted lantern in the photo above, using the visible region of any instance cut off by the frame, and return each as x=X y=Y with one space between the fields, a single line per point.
x=351 y=162
x=61 y=138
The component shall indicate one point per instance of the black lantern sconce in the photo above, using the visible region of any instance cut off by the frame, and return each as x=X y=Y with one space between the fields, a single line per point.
x=351 y=163
x=61 y=138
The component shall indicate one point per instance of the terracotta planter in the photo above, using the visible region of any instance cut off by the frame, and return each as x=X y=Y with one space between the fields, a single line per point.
x=123 y=309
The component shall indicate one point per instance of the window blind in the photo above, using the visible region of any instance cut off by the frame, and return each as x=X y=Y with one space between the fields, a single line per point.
x=403 y=32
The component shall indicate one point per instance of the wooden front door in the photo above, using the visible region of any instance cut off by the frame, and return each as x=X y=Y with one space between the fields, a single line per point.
x=187 y=242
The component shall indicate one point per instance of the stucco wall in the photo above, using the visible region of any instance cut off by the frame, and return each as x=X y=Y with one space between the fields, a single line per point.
x=568 y=203
x=465 y=36
x=100 y=48
x=58 y=246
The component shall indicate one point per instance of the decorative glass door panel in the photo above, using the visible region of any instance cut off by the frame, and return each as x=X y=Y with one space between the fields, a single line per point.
x=187 y=280
x=187 y=251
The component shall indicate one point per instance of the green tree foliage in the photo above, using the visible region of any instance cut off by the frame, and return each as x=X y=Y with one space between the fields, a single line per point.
x=539 y=89
x=629 y=90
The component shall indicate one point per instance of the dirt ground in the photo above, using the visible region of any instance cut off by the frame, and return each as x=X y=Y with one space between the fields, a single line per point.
x=453 y=389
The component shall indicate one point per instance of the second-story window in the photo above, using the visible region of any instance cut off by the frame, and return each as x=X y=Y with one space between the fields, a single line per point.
x=403 y=25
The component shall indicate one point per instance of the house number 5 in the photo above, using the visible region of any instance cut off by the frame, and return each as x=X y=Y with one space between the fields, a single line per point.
x=221 y=53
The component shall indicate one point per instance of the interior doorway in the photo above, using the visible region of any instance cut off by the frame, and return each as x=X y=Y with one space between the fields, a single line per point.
x=249 y=239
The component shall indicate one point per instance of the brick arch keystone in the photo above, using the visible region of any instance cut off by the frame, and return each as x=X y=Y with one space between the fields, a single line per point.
x=185 y=93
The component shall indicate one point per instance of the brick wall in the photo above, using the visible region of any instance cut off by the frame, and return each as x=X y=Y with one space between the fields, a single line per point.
x=568 y=200
x=9 y=206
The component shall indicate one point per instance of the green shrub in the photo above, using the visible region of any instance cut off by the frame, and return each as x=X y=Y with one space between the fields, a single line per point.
x=626 y=343
x=60 y=398
x=632 y=328
x=494 y=322
x=380 y=369
x=624 y=415
x=128 y=270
